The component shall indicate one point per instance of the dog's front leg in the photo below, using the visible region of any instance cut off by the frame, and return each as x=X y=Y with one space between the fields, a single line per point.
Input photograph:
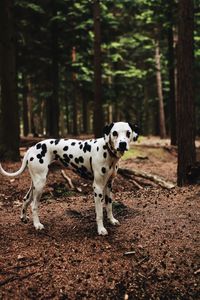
x=108 y=201
x=99 y=198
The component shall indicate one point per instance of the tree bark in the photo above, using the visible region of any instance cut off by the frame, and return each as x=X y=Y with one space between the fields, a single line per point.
x=185 y=91
x=25 y=107
x=85 y=112
x=159 y=91
x=9 y=129
x=171 y=72
x=98 y=112
x=53 y=100
x=75 y=96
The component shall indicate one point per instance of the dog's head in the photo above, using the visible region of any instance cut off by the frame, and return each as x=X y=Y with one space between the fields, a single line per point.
x=119 y=135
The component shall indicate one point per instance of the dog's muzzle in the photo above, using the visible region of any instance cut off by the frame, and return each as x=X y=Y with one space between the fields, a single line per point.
x=122 y=147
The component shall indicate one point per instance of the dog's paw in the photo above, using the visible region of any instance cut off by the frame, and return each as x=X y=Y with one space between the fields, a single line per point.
x=102 y=231
x=24 y=219
x=39 y=226
x=114 y=221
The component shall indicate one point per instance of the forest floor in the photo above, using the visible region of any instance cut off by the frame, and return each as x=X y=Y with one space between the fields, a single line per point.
x=153 y=254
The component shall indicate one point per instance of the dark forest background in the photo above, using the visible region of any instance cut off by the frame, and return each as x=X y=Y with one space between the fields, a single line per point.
x=69 y=67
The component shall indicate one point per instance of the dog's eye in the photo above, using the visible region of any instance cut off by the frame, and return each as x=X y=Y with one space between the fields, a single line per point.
x=128 y=134
x=115 y=133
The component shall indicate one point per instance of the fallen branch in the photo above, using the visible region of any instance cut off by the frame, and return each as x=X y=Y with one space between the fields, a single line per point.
x=197 y=272
x=70 y=183
x=13 y=278
x=129 y=253
x=136 y=184
x=154 y=178
x=23 y=266
x=146 y=258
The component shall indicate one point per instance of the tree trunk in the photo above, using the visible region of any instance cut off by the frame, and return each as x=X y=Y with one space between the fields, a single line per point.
x=159 y=91
x=98 y=112
x=85 y=112
x=30 y=108
x=75 y=96
x=171 y=71
x=185 y=90
x=53 y=101
x=25 y=108
x=9 y=129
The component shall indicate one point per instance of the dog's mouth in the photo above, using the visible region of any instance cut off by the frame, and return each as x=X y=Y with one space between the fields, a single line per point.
x=122 y=147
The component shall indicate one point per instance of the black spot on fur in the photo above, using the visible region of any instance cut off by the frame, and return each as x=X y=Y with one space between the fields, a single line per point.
x=83 y=172
x=55 y=151
x=100 y=195
x=105 y=154
x=76 y=160
x=95 y=194
x=73 y=143
x=70 y=156
x=39 y=156
x=32 y=158
x=64 y=162
x=73 y=165
x=81 y=160
x=38 y=146
x=81 y=146
x=108 y=200
x=66 y=158
x=103 y=170
x=57 y=141
x=104 y=147
x=87 y=147
x=41 y=161
x=44 y=147
x=65 y=148
x=51 y=142
x=91 y=164
x=97 y=148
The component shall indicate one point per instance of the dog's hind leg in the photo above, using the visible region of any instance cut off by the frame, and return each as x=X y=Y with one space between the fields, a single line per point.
x=39 y=181
x=27 y=200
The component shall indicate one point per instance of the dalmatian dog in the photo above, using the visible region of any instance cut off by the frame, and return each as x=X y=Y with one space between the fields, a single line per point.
x=96 y=159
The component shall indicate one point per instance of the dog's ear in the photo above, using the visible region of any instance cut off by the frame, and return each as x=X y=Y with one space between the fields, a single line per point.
x=107 y=129
x=135 y=130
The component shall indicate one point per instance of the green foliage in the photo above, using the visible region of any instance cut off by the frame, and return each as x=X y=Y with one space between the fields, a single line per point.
x=128 y=28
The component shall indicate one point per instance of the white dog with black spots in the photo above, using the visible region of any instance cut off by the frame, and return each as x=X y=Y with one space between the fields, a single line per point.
x=96 y=159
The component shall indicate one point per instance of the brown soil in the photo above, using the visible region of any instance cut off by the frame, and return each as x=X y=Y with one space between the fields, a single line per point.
x=153 y=254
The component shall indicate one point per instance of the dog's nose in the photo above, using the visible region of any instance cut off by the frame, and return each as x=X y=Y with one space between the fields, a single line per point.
x=122 y=146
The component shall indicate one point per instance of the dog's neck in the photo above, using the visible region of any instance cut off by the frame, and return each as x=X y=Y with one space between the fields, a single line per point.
x=113 y=153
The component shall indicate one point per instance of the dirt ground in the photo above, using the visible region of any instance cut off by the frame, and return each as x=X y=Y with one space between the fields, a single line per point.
x=153 y=254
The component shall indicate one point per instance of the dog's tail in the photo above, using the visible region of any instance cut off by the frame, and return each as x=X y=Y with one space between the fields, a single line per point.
x=20 y=171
